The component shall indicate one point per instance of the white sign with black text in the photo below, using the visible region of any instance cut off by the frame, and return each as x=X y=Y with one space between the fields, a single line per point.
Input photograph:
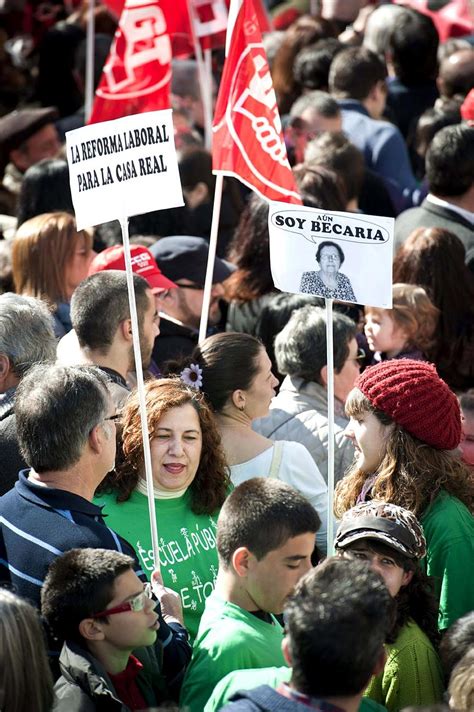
x=335 y=255
x=123 y=167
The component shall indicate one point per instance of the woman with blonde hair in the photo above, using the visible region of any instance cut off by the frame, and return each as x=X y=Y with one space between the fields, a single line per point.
x=405 y=424
x=26 y=682
x=190 y=484
x=50 y=258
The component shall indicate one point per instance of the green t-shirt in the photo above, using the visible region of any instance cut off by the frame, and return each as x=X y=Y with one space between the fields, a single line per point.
x=449 y=530
x=412 y=674
x=249 y=679
x=229 y=639
x=188 y=553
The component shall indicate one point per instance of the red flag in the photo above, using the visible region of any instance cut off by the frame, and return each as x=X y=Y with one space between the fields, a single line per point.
x=137 y=73
x=248 y=141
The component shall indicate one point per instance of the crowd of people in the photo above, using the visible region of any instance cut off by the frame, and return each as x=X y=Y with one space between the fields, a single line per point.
x=240 y=604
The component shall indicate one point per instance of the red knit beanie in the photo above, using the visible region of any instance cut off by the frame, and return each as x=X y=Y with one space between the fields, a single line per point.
x=415 y=397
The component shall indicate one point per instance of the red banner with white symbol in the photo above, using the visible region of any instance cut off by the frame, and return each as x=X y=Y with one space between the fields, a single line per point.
x=248 y=141
x=137 y=74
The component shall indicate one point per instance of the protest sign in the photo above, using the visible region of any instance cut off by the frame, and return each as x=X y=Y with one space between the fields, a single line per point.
x=335 y=255
x=123 y=167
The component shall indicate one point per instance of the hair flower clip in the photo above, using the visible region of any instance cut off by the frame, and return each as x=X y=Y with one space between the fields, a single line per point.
x=192 y=376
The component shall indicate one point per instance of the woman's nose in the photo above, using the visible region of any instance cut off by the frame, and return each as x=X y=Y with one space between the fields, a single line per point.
x=175 y=446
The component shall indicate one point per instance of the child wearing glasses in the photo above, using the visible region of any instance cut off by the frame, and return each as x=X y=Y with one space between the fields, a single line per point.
x=406 y=330
x=93 y=600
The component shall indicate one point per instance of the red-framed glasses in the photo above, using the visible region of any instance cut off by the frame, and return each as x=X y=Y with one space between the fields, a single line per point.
x=135 y=604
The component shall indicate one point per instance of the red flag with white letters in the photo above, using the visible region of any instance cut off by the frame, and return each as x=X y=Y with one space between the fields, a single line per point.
x=137 y=74
x=248 y=141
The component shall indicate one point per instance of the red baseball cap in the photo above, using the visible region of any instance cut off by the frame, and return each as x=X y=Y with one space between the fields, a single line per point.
x=143 y=264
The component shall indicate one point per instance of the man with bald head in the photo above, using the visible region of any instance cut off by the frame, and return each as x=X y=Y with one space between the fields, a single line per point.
x=456 y=74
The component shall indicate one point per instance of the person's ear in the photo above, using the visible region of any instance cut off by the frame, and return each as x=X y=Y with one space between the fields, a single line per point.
x=407 y=577
x=238 y=399
x=96 y=438
x=4 y=366
x=18 y=158
x=380 y=662
x=91 y=629
x=126 y=330
x=324 y=375
x=286 y=650
x=241 y=561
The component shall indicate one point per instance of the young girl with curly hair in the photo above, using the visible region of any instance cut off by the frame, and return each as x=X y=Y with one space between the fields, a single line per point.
x=405 y=424
x=391 y=540
x=191 y=481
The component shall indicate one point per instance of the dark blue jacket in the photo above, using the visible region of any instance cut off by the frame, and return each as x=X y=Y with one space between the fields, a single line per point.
x=38 y=523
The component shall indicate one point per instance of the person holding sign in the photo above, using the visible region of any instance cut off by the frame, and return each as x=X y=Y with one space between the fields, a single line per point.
x=190 y=483
x=328 y=282
x=406 y=427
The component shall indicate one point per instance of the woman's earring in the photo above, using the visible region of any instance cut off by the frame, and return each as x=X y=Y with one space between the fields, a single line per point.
x=241 y=407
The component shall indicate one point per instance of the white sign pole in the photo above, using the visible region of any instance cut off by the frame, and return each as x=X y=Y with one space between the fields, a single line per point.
x=208 y=101
x=206 y=300
x=141 y=393
x=90 y=47
x=330 y=392
x=202 y=78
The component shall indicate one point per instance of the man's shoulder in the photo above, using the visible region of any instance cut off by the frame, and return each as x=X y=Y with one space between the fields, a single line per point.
x=262 y=698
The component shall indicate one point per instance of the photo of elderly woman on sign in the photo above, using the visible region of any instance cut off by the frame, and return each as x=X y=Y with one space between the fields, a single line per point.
x=328 y=282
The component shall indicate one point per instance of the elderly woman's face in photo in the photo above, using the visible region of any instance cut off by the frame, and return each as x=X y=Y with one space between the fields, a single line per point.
x=329 y=259
x=176 y=448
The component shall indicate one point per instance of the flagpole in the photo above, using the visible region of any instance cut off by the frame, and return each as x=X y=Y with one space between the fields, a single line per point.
x=207 y=108
x=90 y=46
x=206 y=301
x=141 y=393
x=208 y=104
x=330 y=392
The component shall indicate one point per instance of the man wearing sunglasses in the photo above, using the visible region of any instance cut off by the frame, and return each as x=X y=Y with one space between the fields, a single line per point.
x=94 y=600
x=183 y=259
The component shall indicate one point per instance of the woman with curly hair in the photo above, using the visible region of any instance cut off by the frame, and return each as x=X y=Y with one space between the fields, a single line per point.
x=405 y=424
x=190 y=484
x=391 y=540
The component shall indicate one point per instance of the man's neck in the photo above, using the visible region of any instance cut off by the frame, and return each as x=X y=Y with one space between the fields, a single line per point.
x=76 y=480
x=116 y=360
x=232 y=590
x=465 y=201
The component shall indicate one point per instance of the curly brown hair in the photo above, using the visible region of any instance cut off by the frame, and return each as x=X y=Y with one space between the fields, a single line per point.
x=411 y=473
x=211 y=483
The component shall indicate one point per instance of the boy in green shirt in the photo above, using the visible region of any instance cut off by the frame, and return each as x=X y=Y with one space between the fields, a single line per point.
x=265 y=537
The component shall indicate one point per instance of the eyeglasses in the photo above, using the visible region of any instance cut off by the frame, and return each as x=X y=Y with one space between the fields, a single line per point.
x=360 y=355
x=115 y=417
x=197 y=287
x=135 y=604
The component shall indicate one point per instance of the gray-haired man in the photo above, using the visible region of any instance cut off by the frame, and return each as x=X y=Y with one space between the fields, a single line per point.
x=26 y=338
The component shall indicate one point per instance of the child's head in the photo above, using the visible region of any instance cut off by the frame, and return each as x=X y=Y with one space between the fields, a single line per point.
x=387 y=537
x=466 y=401
x=93 y=595
x=409 y=324
x=390 y=539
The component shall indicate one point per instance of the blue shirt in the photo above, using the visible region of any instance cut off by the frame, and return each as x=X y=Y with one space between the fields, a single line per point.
x=39 y=523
